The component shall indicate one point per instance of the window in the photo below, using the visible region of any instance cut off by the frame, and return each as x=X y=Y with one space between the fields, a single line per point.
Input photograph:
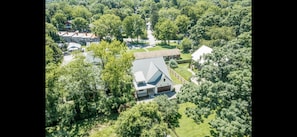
x=164 y=79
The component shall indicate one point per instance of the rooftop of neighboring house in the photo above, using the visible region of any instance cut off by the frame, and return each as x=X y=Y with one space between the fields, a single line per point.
x=76 y=34
x=196 y=56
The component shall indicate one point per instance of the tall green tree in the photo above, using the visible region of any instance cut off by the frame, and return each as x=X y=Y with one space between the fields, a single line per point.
x=81 y=11
x=165 y=30
x=116 y=74
x=53 y=54
x=80 y=24
x=107 y=27
x=58 y=20
x=186 y=44
x=225 y=89
x=80 y=83
x=183 y=23
x=134 y=26
x=142 y=120
x=169 y=13
x=52 y=31
x=169 y=111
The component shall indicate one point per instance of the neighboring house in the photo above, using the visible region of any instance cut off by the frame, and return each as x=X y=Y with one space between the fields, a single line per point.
x=77 y=37
x=166 y=54
x=151 y=77
x=197 y=56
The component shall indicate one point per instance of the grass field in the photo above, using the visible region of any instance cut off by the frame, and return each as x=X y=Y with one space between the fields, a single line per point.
x=183 y=71
x=137 y=50
x=156 y=48
x=174 y=79
x=185 y=56
x=188 y=128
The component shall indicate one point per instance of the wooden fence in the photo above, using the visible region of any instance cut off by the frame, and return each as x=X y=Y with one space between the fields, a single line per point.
x=179 y=77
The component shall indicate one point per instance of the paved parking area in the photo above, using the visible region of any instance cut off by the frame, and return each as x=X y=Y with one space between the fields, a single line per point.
x=170 y=94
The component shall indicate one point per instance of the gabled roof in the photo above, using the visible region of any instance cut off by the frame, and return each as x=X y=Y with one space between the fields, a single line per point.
x=158 y=53
x=196 y=56
x=150 y=67
x=152 y=70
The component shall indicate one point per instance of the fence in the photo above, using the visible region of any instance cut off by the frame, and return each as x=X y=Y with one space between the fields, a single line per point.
x=179 y=77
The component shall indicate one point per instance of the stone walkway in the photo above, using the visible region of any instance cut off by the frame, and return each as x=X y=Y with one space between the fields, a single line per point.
x=193 y=78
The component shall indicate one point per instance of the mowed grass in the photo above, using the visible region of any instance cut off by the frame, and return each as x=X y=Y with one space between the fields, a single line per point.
x=182 y=69
x=136 y=50
x=174 y=79
x=188 y=128
x=105 y=132
x=156 y=48
x=185 y=56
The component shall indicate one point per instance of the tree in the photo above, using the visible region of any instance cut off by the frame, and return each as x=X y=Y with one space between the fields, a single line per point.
x=197 y=33
x=97 y=8
x=116 y=75
x=225 y=90
x=169 y=13
x=53 y=53
x=235 y=17
x=169 y=111
x=81 y=11
x=108 y=26
x=141 y=120
x=81 y=82
x=183 y=23
x=59 y=19
x=134 y=26
x=165 y=30
x=73 y=93
x=80 y=23
x=52 y=31
x=186 y=44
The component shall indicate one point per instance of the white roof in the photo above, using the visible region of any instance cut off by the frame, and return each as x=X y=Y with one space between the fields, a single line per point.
x=196 y=56
x=139 y=77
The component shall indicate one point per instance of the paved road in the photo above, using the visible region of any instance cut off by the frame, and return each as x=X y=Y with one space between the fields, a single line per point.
x=150 y=36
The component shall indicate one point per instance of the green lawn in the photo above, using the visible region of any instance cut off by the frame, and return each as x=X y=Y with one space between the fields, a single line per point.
x=188 y=128
x=156 y=48
x=185 y=56
x=174 y=79
x=107 y=131
x=104 y=128
x=183 y=71
x=136 y=50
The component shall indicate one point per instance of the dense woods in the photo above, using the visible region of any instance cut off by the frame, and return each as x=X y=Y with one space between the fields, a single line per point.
x=82 y=90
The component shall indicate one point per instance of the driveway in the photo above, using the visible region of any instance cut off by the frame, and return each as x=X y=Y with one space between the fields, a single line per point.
x=170 y=94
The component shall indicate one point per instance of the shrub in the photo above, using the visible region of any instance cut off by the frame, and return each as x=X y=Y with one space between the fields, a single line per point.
x=173 y=63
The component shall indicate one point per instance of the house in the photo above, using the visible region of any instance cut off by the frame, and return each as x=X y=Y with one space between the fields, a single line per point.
x=197 y=56
x=166 y=54
x=78 y=37
x=151 y=77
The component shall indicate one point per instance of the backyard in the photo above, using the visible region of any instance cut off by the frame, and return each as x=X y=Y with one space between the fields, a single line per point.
x=188 y=128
